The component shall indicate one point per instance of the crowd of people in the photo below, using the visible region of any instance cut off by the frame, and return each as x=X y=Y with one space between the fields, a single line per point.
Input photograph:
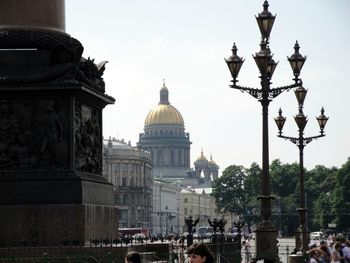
x=331 y=250
x=334 y=249
x=196 y=253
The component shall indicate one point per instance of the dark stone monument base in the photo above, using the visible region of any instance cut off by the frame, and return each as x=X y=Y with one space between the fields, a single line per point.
x=55 y=191
x=55 y=224
x=266 y=244
x=52 y=189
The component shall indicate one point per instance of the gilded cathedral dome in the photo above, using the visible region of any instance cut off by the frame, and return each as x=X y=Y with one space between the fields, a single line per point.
x=164 y=113
x=201 y=160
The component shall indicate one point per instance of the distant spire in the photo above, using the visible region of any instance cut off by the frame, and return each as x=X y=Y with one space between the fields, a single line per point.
x=164 y=94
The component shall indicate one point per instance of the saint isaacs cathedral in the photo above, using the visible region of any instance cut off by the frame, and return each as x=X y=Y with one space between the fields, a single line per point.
x=165 y=138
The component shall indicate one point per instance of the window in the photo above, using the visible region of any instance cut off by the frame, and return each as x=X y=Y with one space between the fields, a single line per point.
x=172 y=158
x=179 y=157
x=159 y=158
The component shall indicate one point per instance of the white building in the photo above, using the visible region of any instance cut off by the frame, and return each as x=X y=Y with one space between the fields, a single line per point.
x=198 y=203
x=129 y=169
x=166 y=214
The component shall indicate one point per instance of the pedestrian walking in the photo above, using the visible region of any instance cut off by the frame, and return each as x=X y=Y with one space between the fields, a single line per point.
x=199 y=253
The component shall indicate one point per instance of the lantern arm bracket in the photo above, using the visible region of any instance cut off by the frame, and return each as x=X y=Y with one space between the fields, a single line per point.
x=256 y=93
x=310 y=139
x=304 y=140
x=274 y=92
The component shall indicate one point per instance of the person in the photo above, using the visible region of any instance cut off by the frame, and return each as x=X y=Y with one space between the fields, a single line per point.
x=133 y=257
x=326 y=257
x=336 y=257
x=314 y=256
x=246 y=247
x=331 y=247
x=199 y=253
x=345 y=250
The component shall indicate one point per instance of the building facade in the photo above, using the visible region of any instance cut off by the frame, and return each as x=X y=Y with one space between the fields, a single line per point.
x=166 y=215
x=199 y=204
x=129 y=169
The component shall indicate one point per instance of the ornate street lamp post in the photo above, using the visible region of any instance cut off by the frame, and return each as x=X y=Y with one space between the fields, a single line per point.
x=302 y=237
x=166 y=221
x=266 y=234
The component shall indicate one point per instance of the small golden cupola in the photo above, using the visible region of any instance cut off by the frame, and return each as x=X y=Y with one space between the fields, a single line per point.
x=201 y=160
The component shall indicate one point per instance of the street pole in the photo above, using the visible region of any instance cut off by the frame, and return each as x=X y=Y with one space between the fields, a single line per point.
x=166 y=221
x=280 y=216
x=266 y=233
x=302 y=237
x=178 y=221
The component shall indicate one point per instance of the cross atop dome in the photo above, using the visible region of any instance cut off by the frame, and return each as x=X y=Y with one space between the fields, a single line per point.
x=164 y=95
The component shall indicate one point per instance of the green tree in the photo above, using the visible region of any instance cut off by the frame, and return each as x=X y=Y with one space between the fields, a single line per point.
x=252 y=189
x=253 y=182
x=284 y=178
x=228 y=191
x=327 y=194
x=341 y=197
x=320 y=183
x=284 y=186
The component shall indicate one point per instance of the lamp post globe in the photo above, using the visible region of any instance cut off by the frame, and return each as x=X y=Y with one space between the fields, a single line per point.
x=234 y=63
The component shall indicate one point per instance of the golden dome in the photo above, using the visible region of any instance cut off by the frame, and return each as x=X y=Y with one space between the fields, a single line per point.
x=212 y=162
x=164 y=113
x=202 y=157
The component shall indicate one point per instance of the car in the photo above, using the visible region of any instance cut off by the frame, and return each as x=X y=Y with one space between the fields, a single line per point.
x=205 y=232
x=139 y=236
x=318 y=235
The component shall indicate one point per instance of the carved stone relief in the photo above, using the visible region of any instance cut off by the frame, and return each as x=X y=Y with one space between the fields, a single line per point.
x=33 y=134
x=88 y=139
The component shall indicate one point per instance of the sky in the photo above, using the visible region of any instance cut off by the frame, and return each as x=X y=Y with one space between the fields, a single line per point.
x=185 y=43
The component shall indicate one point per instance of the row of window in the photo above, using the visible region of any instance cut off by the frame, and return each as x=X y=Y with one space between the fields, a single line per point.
x=122 y=176
x=172 y=132
x=181 y=160
x=136 y=199
x=139 y=215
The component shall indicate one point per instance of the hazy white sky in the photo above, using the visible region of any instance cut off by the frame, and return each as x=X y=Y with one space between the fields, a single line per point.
x=185 y=43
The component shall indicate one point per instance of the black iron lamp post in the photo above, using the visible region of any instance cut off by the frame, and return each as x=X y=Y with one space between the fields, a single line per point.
x=166 y=221
x=302 y=237
x=266 y=234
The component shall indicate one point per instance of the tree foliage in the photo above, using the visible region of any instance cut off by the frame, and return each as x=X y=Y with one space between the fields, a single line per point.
x=228 y=190
x=327 y=194
x=341 y=197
